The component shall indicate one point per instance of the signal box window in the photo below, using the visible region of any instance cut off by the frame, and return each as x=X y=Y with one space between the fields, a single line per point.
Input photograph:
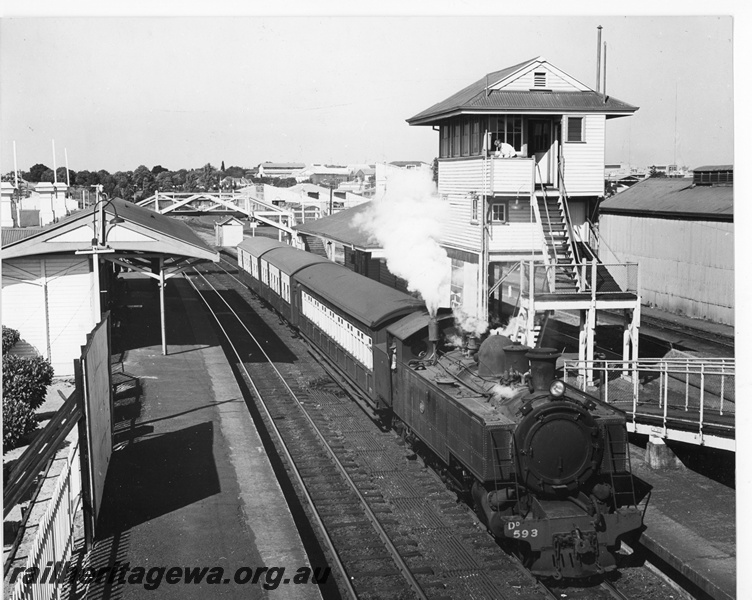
x=575 y=129
x=498 y=213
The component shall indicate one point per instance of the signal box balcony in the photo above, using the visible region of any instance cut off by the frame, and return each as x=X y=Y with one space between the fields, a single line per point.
x=487 y=175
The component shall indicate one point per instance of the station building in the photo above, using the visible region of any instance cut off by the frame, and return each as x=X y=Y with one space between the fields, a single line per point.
x=58 y=280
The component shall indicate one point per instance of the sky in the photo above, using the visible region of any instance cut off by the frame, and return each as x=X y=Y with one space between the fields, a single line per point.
x=116 y=92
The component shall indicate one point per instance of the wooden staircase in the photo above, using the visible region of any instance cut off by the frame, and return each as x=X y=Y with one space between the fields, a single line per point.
x=314 y=245
x=558 y=242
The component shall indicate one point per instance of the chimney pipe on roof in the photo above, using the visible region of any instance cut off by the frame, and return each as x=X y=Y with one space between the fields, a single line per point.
x=598 y=65
x=605 y=48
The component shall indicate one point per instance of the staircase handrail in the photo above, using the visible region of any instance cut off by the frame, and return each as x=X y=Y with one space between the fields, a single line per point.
x=545 y=205
x=601 y=241
x=550 y=273
x=565 y=204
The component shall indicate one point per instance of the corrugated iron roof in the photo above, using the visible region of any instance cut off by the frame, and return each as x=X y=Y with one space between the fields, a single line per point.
x=675 y=198
x=15 y=234
x=714 y=168
x=165 y=230
x=339 y=227
x=476 y=97
x=534 y=101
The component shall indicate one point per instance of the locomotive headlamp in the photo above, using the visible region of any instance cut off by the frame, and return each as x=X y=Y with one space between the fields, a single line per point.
x=557 y=388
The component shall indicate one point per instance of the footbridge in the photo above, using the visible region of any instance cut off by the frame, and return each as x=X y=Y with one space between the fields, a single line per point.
x=222 y=203
x=691 y=400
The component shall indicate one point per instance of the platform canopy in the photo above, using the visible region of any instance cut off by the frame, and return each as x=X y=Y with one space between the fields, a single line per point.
x=117 y=232
x=133 y=236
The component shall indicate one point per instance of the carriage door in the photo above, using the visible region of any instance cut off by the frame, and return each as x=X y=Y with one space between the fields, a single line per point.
x=540 y=146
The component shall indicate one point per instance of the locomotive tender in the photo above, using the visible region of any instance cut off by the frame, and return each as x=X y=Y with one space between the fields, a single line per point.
x=547 y=465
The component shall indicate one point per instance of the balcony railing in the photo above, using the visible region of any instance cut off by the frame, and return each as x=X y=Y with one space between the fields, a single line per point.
x=695 y=397
x=594 y=278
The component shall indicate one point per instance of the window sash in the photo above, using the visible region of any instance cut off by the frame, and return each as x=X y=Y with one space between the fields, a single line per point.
x=499 y=212
x=575 y=129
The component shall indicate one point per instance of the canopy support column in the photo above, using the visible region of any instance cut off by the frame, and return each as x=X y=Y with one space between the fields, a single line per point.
x=162 y=303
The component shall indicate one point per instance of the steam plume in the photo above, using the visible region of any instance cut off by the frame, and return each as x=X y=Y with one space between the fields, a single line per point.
x=469 y=324
x=406 y=222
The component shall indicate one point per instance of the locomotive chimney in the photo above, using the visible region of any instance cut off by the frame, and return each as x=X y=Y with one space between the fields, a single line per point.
x=433 y=330
x=433 y=337
x=542 y=367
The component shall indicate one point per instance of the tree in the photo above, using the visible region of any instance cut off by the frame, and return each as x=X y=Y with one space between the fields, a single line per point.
x=62 y=177
x=157 y=169
x=235 y=171
x=36 y=172
x=208 y=178
x=48 y=176
x=222 y=168
x=164 y=181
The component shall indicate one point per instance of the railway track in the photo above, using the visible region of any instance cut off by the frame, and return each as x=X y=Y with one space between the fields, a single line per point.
x=433 y=549
x=388 y=524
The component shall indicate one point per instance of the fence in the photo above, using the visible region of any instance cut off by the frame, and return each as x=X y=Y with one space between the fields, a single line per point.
x=53 y=544
x=694 y=395
x=80 y=483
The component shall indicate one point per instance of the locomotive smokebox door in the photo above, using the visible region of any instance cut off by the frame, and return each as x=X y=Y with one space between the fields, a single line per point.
x=559 y=447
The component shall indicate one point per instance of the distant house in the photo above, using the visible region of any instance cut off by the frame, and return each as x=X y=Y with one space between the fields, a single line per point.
x=330 y=175
x=281 y=170
x=409 y=164
x=681 y=232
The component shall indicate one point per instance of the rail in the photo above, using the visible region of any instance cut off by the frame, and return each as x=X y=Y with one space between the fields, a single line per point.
x=53 y=543
x=687 y=399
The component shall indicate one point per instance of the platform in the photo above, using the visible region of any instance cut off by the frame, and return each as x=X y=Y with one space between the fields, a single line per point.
x=691 y=525
x=189 y=484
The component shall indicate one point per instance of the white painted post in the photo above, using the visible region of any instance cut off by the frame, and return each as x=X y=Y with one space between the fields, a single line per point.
x=162 y=304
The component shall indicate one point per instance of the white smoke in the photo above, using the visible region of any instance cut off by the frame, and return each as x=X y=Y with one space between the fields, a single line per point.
x=511 y=329
x=469 y=324
x=504 y=392
x=406 y=222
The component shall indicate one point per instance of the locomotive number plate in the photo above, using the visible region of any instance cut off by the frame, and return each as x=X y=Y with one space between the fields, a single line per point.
x=518 y=530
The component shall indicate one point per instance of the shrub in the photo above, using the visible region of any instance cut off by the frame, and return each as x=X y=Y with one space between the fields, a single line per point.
x=18 y=420
x=26 y=379
x=25 y=382
x=10 y=337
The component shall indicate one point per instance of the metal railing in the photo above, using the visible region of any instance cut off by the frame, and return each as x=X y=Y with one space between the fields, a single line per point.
x=596 y=278
x=696 y=395
x=53 y=543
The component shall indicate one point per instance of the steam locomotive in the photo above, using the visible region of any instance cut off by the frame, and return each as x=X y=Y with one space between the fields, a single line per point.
x=546 y=464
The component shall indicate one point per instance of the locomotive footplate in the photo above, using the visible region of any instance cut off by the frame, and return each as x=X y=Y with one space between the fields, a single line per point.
x=566 y=541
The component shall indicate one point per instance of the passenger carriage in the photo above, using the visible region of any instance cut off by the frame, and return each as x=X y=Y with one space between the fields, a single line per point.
x=250 y=252
x=346 y=315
